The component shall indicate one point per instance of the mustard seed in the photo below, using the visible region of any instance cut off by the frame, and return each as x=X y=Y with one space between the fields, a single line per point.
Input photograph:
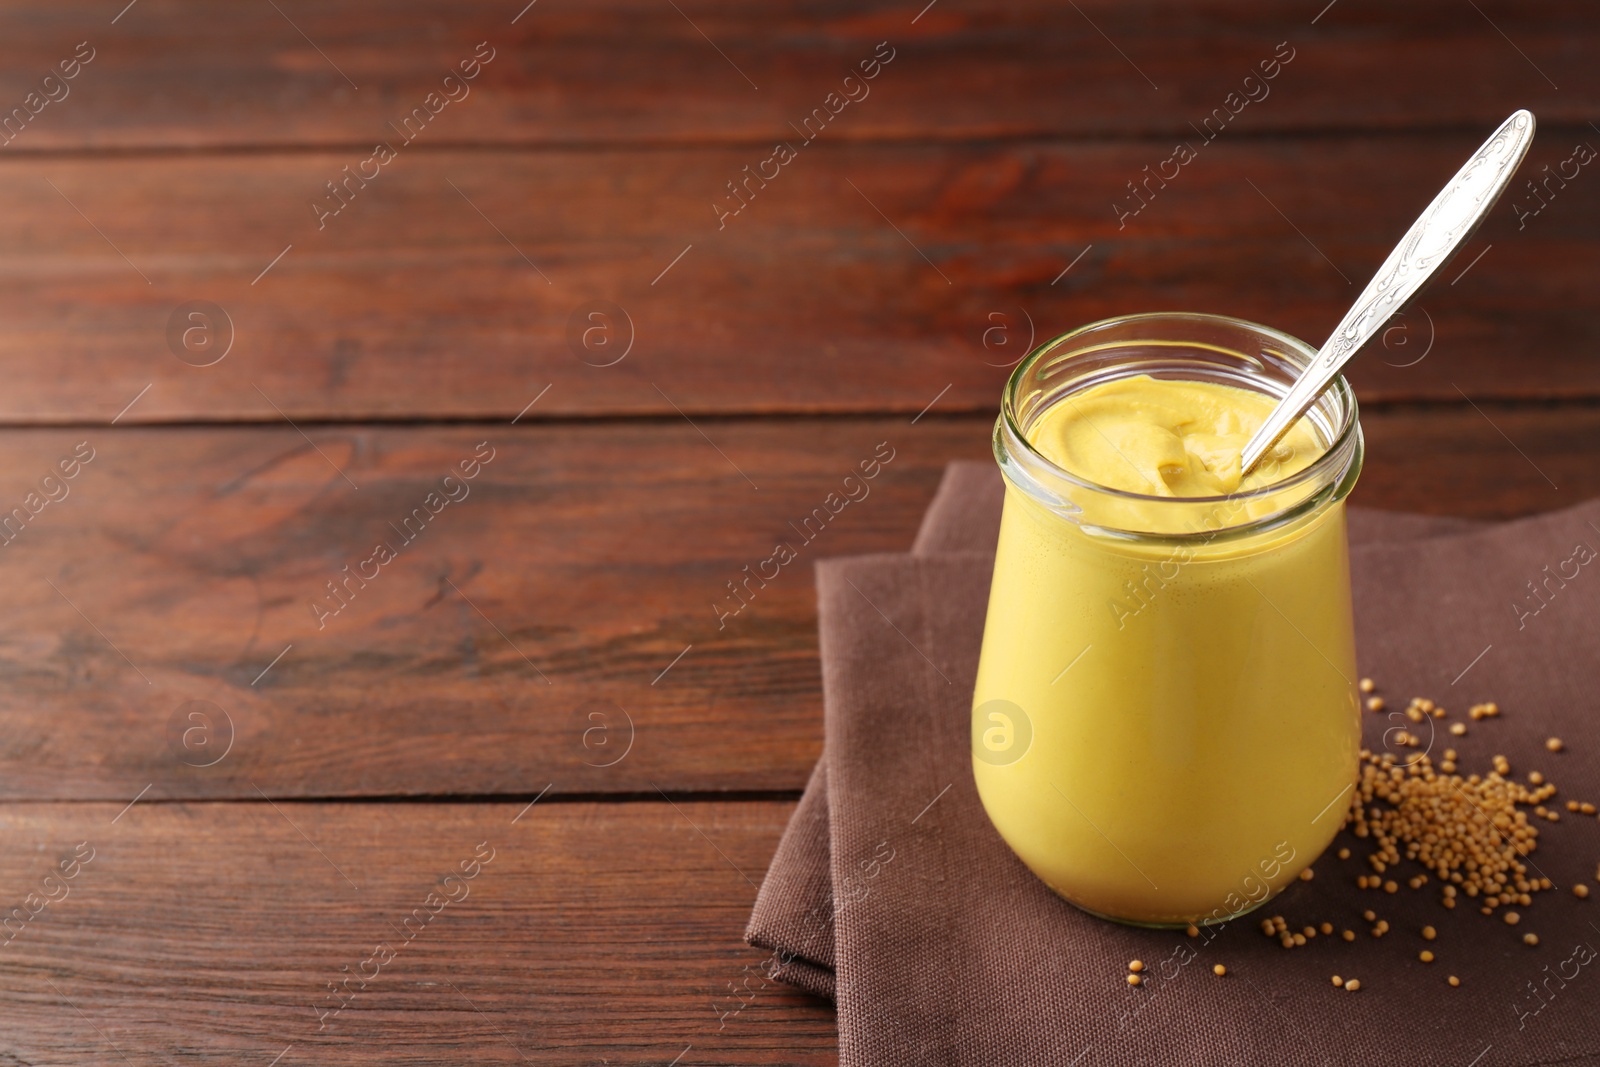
x=1458 y=728
x=1580 y=891
x=1366 y=685
x=1193 y=931
x=1429 y=933
x=1135 y=966
x=1425 y=956
x=1530 y=939
x=1370 y=915
x=1326 y=929
x=1338 y=981
x=1352 y=985
x=1374 y=703
x=1219 y=970
x=1453 y=980
x=1512 y=918
x=1390 y=887
x=1554 y=744
x=1307 y=874
x=1348 y=935
x=1344 y=853
x=1134 y=979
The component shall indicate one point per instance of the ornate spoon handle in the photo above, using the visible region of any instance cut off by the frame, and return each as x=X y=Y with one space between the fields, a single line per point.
x=1447 y=222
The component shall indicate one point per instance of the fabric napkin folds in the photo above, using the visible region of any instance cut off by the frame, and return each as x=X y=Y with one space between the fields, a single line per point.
x=891 y=893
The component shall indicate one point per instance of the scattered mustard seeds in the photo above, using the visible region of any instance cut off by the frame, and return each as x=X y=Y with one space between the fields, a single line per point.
x=1466 y=831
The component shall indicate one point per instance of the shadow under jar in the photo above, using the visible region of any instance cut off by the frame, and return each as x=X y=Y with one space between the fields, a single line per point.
x=1166 y=723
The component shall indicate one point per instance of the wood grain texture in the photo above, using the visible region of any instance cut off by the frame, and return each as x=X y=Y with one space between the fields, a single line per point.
x=205 y=73
x=511 y=644
x=209 y=933
x=507 y=646
x=862 y=279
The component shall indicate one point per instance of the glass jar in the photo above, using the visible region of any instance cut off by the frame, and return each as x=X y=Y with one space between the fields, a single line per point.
x=1166 y=722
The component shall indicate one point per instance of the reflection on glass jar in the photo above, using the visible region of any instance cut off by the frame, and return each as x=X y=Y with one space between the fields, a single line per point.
x=1166 y=722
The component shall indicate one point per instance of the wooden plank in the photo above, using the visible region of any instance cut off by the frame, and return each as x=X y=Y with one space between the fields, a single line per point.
x=210 y=933
x=193 y=73
x=507 y=646
x=863 y=278
x=539 y=631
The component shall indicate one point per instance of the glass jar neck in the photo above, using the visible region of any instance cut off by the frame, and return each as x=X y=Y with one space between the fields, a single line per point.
x=1187 y=347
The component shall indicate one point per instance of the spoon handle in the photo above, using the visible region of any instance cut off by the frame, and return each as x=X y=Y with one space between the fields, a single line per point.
x=1438 y=231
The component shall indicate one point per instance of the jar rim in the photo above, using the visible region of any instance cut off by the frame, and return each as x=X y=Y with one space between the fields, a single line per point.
x=1334 y=454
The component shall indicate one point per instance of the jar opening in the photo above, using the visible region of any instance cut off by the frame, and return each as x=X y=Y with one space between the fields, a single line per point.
x=1178 y=346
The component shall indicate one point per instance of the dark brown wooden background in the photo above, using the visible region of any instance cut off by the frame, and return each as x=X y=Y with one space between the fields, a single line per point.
x=561 y=617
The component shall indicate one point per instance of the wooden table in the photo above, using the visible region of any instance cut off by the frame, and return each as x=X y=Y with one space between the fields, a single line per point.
x=280 y=343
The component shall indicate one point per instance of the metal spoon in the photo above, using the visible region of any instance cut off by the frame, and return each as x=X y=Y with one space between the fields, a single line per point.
x=1447 y=222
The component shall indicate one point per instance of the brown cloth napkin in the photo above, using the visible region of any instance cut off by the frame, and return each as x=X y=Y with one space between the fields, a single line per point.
x=947 y=950
x=793 y=914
